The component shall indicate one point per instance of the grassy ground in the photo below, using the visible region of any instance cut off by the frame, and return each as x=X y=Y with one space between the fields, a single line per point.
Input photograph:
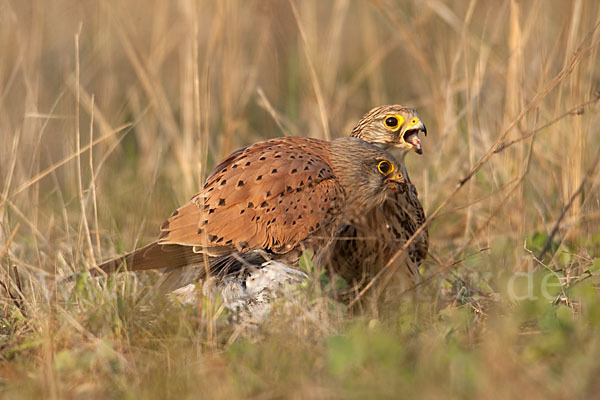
x=161 y=90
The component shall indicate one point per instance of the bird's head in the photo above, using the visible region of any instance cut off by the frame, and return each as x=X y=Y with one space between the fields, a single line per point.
x=367 y=173
x=394 y=127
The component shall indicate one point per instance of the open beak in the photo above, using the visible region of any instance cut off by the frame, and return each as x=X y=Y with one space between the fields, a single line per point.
x=410 y=135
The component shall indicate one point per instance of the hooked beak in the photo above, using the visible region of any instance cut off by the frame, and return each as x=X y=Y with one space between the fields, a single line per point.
x=410 y=135
x=396 y=181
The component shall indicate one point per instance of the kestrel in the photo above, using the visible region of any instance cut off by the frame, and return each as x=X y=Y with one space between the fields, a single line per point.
x=271 y=201
x=366 y=245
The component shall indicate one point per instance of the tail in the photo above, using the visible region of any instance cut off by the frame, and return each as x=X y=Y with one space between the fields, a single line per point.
x=154 y=256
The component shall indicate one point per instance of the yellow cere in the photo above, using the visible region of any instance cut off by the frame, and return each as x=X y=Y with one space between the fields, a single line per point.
x=414 y=122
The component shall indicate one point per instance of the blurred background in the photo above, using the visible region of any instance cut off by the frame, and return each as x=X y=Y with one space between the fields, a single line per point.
x=113 y=112
x=166 y=89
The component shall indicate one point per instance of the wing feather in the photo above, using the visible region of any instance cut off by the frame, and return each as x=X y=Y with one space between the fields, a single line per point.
x=271 y=195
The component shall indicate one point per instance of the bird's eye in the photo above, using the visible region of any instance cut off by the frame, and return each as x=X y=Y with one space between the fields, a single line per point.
x=385 y=167
x=393 y=122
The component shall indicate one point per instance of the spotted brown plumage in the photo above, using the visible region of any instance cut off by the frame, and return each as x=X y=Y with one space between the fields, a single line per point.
x=277 y=192
x=271 y=200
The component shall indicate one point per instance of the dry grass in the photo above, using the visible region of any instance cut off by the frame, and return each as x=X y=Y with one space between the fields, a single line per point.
x=112 y=112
